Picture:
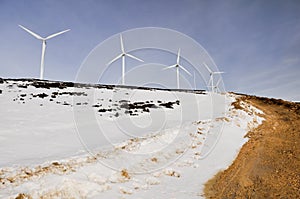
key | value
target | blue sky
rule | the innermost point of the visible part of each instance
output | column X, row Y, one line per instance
column 257, row 43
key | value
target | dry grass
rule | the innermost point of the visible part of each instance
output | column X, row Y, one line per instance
column 23, row 196
column 125, row 174
column 25, row 173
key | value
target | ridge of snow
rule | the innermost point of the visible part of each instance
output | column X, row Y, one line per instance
column 48, row 159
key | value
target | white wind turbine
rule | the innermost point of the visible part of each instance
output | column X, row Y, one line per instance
column 177, row 66
column 123, row 55
column 43, row 45
column 211, row 78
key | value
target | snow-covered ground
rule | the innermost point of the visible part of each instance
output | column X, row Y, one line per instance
column 66, row 141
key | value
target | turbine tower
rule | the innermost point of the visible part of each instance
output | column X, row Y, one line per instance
column 211, row 78
column 194, row 76
column 216, row 86
column 177, row 66
column 123, row 55
column 43, row 45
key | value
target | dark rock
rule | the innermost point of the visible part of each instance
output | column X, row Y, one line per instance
column 22, row 85
column 138, row 103
column 128, row 112
column 123, row 101
column 134, row 114
column 125, row 105
column 169, row 104
column 40, row 95
column 97, row 105
column 104, row 110
column 48, row 84
column 65, row 103
column 72, row 93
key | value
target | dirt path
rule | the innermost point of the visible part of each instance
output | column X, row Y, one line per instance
column 268, row 165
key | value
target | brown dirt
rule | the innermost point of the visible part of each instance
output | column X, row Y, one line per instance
column 268, row 165
column 125, row 174
column 23, row 196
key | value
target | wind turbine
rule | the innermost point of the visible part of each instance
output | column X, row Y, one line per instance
column 43, row 45
column 177, row 66
column 211, row 79
column 123, row 55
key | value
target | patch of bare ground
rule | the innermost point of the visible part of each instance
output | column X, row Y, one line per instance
column 268, row 165
column 23, row 196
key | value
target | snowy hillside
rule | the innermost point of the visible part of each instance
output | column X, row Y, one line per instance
column 64, row 140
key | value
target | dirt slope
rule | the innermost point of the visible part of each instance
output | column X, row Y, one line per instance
column 268, row 165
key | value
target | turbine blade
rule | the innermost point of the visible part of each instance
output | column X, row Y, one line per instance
column 114, row 59
column 168, row 67
column 122, row 44
column 218, row 82
column 56, row 34
column 210, row 71
column 134, row 57
column 32, row 33
column 178, row 56
column 218, row 72
column 185, row 70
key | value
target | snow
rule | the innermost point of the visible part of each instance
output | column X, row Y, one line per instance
column 63, row 147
